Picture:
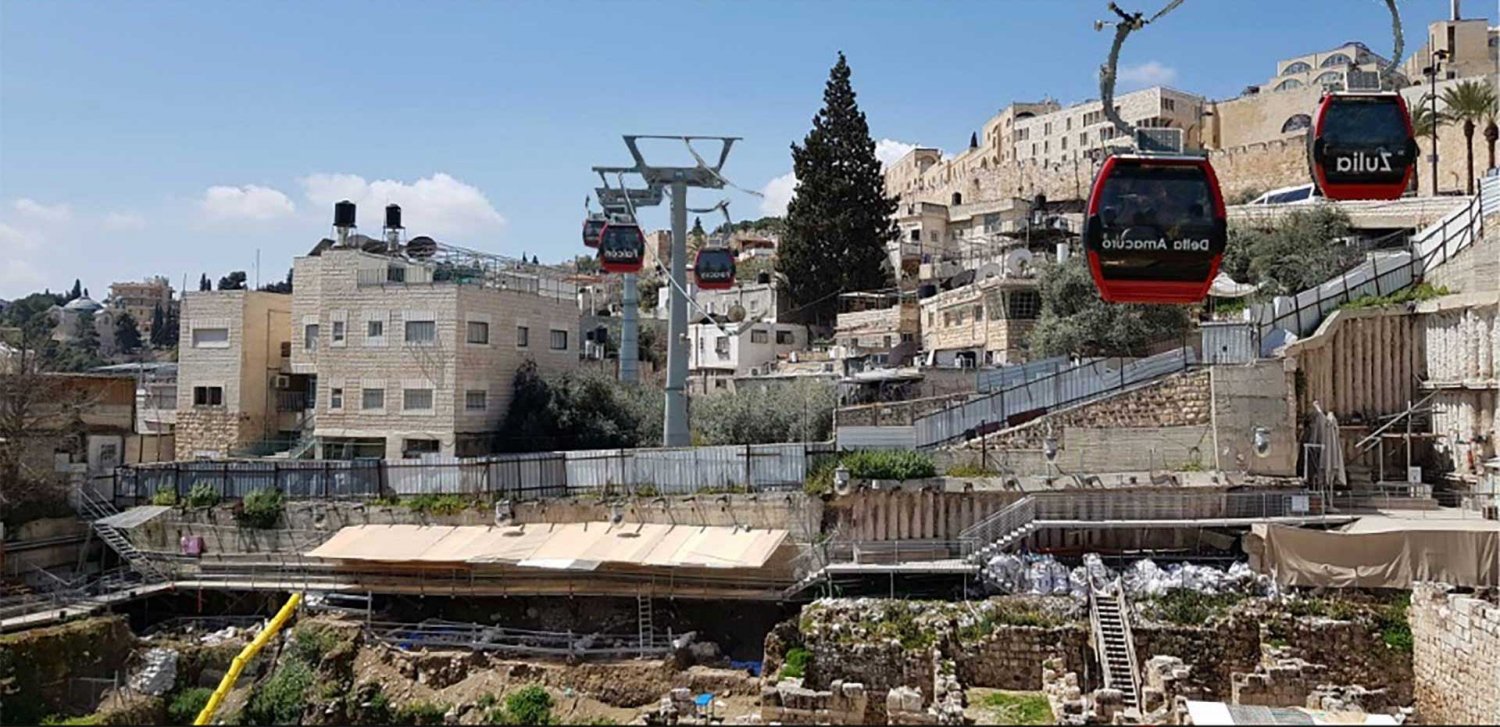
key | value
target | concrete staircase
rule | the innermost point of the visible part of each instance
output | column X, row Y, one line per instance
column 998, row 532
column 1109, row 614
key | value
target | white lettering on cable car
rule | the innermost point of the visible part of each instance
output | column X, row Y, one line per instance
column 1161, row 244
column 620, row 253
column 1360, row 162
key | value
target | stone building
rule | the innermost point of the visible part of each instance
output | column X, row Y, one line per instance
column 984, row 323
column 229, row 366
column 141, row 298
column 1473, row 47
column 411, row 355
column 716, row 358
column 876, row 329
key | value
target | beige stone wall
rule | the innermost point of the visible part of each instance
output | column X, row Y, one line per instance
column 1456, row 656
column 871, row 328
column 451, row 366
column 244, row 367
column 973, row 318
column 1247, row 397
column 1361, row 363
column 210, row 431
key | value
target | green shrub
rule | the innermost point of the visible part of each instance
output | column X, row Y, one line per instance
column 1018, row 708
column 1188, row 607
column 529, row 705
column 1395, row 626
column 820, row 480
column 311, row 642
column 281, row 698
column 1337, row 609
column 971, row 470
column 261, row 509
column 421, row 712
column 888, row 465
column 202, row 495
column 438, row 504
column 1417, row 294
column 796, row 662
column 166, row 496
column 184, row 707
column 57, row 719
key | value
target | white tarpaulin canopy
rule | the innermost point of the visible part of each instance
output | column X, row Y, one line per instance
column 1224, row 286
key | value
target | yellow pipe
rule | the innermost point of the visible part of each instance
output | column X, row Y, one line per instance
column 248, row 653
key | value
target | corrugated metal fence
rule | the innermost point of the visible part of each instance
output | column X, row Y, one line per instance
column 516, row 476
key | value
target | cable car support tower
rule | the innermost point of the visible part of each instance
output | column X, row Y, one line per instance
column 706, row 175
column 623, row 200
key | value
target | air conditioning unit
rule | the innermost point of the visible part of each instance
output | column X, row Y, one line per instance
column 283, row 381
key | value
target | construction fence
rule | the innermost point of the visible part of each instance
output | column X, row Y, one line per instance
column 526, row 476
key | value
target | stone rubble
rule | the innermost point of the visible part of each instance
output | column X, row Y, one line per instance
column 158, row 672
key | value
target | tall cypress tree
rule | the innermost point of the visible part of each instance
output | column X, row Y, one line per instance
column 839, row 222
column 158, row 326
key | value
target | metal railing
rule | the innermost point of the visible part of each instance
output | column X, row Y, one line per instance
column 438, row 634
column 1069, row 386
column 1067, row 507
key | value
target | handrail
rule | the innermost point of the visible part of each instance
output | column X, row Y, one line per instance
column 1008, row 519
column 1363, row 444
column 1097, row 628
column 1135, row 667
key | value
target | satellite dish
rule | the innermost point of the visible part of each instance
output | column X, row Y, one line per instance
column 1017, row 262
column 736, row 313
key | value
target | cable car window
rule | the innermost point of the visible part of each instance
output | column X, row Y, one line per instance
column 1146, row 213
column 1364, row 123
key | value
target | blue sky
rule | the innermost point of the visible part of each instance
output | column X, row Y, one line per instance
column 180, row 137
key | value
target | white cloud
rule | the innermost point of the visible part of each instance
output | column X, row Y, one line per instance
column 888, row 151
column 17, row 272
column 777, row 194
column 1150, row 73
column 124, row 221
column 437, row 205
column 250, row 202
column 46, row 213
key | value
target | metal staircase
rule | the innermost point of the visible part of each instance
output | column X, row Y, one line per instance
column 996, row 533
column 95, row 509
column 643, row 622
column 1109, row 613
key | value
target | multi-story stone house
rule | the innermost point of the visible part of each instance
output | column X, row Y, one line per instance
column 230, row 385
column 717, row 355
column 416, row 354
column 985, row 323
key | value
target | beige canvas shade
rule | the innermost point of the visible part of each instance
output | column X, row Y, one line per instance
column 1378, row 558
column 570, row 546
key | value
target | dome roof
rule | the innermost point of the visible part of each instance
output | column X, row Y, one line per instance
column 83, row 303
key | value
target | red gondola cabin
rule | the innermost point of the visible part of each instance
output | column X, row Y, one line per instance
column 591, row 229
column 1155, row 230
column 621, row 247
column 714, row 268
column 1361, row 146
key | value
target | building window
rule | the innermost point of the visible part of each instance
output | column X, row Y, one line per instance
column 1330, row 79
column 310, row 337
column 721, row 346
column 416, row 399
column 372, row 399
column 1297, row 122
column 916, row 235
column 559, row 340
column 476, row 399
column 978, row 312
column 338, row 332
column 335, row 398
column 210, row 338
column 1025, row 305
column 1337, row 59
column 1168, row 104
column 783, row 337
column 886, row 341
column 479, row 333
column 958, row 198
column 208, row 396
column 1288, row 84
column 421, row 332
column 907, row 338
column 1298, row 67
column 759, row 337
column 375, row 330
column 414, row 448
column 523, row 336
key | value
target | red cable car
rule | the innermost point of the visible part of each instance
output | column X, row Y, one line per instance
column 622, row 246
column 714, row 268
column 591, row 229
column 1361, row 146
column 1155, row 230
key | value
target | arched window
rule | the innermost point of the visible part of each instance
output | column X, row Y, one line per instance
column 1337, row 59
column 1298, row 67
column 1331, row 78
column 1296, row 123
column 1289, row 84
column 958, row 198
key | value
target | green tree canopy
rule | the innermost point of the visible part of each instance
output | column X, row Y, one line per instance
column 577, row 410
column 1302, row 249
column 839, row 221
column 127, row 334
column 1075, row 321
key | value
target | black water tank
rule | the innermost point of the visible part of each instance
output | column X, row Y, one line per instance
column 601, row 335
column 927, row 290
column 393, row 217
column 343, row 214
column 763, row 278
